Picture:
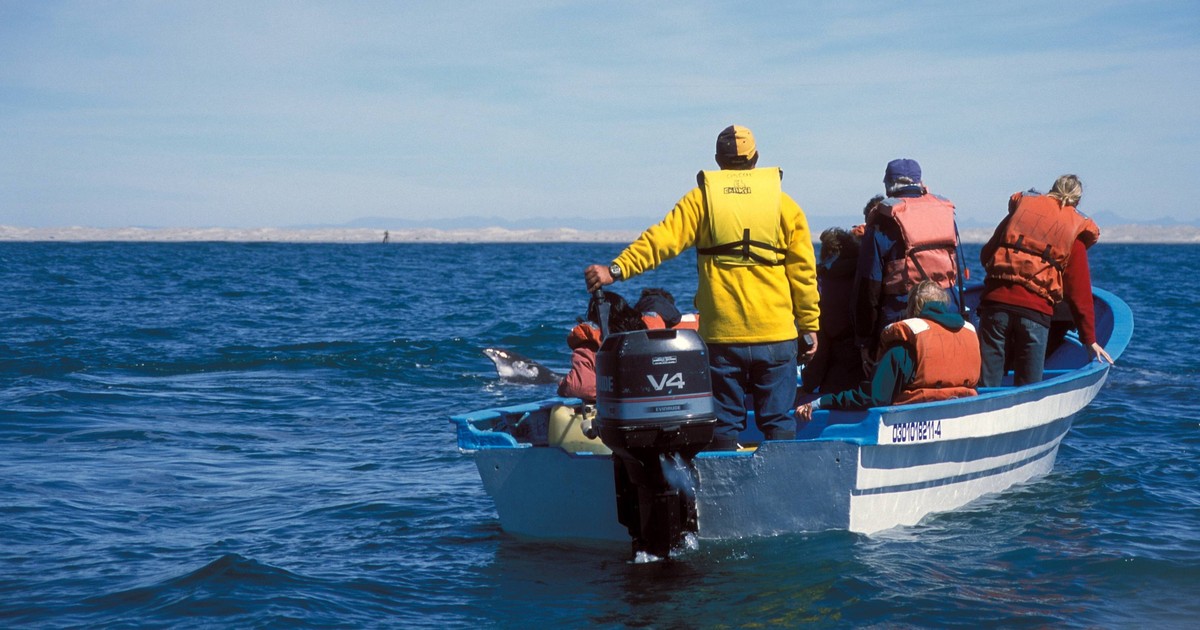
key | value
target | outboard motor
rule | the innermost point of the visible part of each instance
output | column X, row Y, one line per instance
column 654, row 407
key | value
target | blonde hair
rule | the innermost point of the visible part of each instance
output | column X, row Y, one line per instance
column 922, row 294
column 1068, row 190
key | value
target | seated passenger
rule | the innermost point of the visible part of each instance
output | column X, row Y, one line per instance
column 657, row 307
column 658, row 310
column 655, row 310
column 931, row 355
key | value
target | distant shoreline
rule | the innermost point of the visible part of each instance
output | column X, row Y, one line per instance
column 1109, row 234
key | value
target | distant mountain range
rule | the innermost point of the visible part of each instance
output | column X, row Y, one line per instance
column 477, row 222
column 1114, row 228
column 391, row 232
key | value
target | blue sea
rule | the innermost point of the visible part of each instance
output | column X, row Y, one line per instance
column 198, row 435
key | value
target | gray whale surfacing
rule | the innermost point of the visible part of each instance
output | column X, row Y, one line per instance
column 515, row 367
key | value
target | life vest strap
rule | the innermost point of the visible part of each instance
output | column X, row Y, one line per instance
column 912, row 255
column 742, row 248
column 1047, row 254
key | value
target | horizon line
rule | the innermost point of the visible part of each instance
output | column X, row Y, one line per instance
column 1131, row 233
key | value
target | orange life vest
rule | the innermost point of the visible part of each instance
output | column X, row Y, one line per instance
column 584, row 334
column 930, row 242
column 654, row 321
column 1037, row 243
column 947, row 362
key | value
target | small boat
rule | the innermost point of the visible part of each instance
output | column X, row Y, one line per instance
column 861, row 471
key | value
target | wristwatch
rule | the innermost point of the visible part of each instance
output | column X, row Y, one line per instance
column 615, row 271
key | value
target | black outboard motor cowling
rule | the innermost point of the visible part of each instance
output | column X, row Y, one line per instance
column 654, row 408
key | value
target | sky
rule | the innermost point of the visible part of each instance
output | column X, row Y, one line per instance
column 257, row 113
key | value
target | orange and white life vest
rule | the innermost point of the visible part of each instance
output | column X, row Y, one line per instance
column 1037, row 243
column 654, row 321
column 947, row 362
column 930, row 242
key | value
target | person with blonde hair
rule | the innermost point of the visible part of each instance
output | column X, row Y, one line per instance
column 932, row 354
column 1036, row 258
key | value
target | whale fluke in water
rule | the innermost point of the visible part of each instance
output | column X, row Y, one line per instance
column 517, row 368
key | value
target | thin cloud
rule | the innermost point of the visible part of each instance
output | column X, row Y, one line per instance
column 245, row 114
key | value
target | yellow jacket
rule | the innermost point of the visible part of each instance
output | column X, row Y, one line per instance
column 737, row 303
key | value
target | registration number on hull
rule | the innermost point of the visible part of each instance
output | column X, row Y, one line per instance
column 922, row 431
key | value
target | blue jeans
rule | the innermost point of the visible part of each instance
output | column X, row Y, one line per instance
column 1007, row 335
column 765, row 371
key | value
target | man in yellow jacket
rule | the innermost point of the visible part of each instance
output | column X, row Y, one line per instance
column 758, row 283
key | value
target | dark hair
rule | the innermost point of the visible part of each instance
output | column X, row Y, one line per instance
column 621, row 316
column 874, row 201
column 831, row 242
column 838, row 242
column 660, row 301
column 657, row 291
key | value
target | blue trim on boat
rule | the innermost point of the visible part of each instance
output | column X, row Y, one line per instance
column 1115, row 324
column 861, row 427
column 899, row 456
column 476, row 430
column 945, row 481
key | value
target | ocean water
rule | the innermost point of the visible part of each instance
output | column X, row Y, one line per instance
column 248, row 435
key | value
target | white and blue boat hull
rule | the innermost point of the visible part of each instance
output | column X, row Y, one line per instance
column 861, row 471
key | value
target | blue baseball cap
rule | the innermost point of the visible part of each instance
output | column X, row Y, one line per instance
column 903, row 167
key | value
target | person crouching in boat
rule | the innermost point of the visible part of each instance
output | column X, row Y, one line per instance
column 931, row 355
column 655, row 310
column 1036, row 258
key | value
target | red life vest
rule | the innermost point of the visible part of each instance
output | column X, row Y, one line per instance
column 1037, row 243
column 930, row 242
column 947, row 362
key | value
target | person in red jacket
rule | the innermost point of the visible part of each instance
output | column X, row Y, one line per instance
column 1036, row 258
column 580, row 382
